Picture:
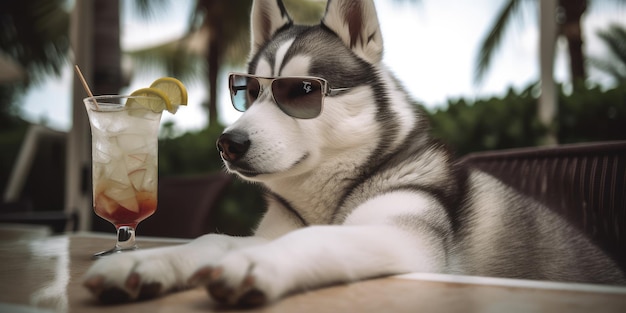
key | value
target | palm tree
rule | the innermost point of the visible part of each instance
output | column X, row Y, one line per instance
column 615, row 63
column 34, row 39
column 573, row 11
column 224, row 28
column 39, row 39
column 107, row 70
column 36, row 35
column 223, row 25
column 569, row 16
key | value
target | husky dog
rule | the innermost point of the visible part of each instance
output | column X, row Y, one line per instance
column 355, row 186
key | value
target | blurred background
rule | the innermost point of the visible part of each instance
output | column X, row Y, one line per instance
column 491, row 74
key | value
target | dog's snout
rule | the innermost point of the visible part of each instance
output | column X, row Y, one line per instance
column 233, row 146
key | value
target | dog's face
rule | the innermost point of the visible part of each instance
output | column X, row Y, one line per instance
column 265, row 143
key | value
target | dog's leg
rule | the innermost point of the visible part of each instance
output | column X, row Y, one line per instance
column 317, row 256
column 314, row 257
column 151, row 272
column 374, row 241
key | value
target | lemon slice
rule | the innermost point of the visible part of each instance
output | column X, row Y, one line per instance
column 157, row 101
column 174, row 89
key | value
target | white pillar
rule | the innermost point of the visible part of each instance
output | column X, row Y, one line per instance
column 77, row 186
column 548, row 102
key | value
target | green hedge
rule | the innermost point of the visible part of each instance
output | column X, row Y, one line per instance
column 593, row 115
column 511, row 121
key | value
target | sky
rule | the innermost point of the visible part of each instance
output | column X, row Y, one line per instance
column 430, row 46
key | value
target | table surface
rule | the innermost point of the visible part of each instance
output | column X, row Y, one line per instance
column 42, row 273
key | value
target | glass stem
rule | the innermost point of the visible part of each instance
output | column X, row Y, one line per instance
column 125, row 238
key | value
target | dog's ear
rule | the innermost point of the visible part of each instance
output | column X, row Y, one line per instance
column 356, row 23
column 268, row 16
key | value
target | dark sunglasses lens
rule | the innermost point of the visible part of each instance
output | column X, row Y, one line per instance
column 298, row 97
column 243, row 91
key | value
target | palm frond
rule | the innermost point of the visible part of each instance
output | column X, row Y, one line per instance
column 615, row 39
column 175, row 58
column 607, row 4
column 306, row 12
column 150, row 8
column 492, row 42
column 618, row 73
column 613, row 64
column 235, row 33
column 35, row 35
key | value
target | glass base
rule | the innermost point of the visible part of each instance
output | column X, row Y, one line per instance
column 125, row 242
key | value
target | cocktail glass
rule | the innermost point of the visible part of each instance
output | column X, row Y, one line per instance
column 124, row 147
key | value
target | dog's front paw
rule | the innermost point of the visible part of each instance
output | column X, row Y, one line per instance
column 132, row 275
column 248, row 278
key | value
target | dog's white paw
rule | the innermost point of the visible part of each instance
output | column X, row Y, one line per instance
column 149, row 273
column 247, row 277
column 136, row 275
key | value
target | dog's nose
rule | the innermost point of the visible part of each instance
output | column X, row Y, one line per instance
column 233, row 146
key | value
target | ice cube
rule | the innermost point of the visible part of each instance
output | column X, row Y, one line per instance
column 99, row 170
column 99, row 120
column 124, row 195
column 119, row 173
column 152, row 146
column 135, row 160
column 102, row 202
column 105, row 149
column 118, row 125
column 136, row 178
column 101, row 156
column 131, row 142
column 130, row 204
column 150, row 179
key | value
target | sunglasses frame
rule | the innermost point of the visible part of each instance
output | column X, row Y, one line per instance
column 265, row 82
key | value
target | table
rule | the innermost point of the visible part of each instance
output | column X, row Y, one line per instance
column 42, row 273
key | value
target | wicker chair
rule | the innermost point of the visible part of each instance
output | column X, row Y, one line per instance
column 585, row 183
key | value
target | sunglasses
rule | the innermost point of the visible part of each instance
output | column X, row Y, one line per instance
column 299, row 97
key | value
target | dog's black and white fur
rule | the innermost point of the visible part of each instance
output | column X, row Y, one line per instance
column 361, row 191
